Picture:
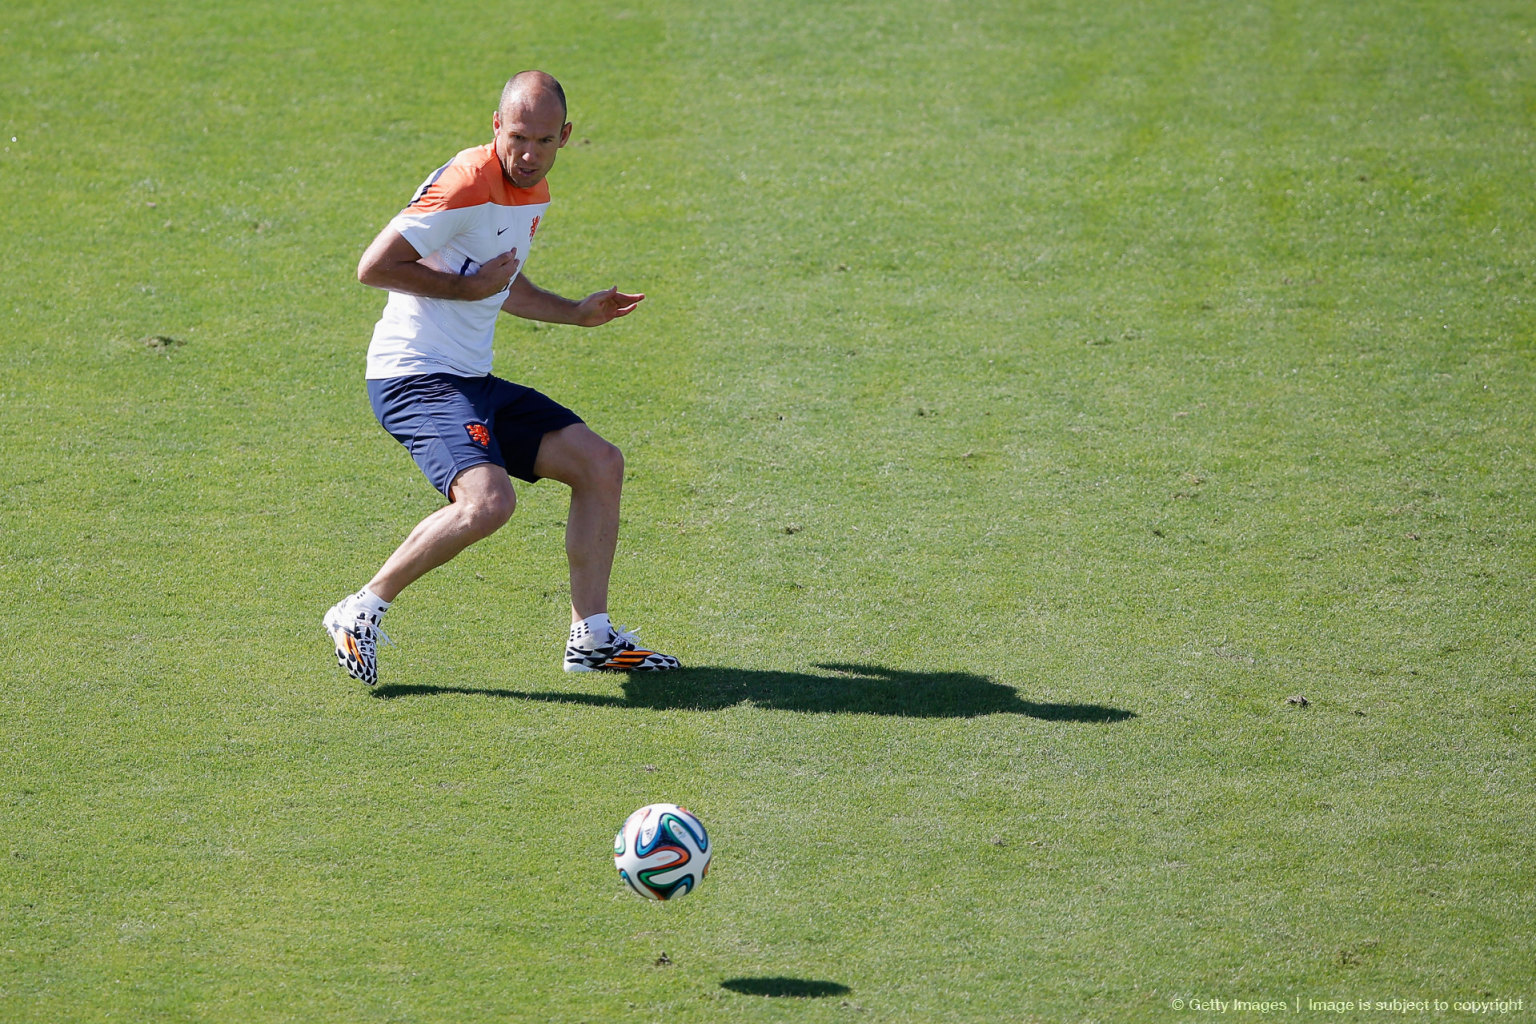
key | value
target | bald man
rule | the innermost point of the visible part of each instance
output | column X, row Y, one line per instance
column 451, row 261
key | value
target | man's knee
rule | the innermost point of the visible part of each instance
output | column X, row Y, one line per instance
column 578, row 457
column 486, row 500
column 491, row 511
column 607, row 462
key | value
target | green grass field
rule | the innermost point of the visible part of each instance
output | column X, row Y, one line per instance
column 1031, row 398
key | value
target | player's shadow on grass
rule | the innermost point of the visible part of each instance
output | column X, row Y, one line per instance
column 845, row 689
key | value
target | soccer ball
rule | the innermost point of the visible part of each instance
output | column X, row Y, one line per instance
column 662, row 851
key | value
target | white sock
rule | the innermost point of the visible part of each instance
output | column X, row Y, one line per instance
column 370, row 601
column 592, row 631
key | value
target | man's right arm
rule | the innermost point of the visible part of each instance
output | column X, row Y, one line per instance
column 392, row 263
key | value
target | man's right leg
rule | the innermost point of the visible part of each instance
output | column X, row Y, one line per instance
column 481, row 501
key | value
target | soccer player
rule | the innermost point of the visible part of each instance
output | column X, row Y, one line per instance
column 451, row 261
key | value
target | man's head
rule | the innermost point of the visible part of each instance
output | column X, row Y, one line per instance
column 529, row 127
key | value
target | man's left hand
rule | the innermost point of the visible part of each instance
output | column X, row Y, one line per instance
column 600, row 307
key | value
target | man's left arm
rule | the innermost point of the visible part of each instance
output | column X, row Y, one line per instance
column 529, row 301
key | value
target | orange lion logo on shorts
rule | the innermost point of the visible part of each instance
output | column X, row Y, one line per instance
column 479, row 434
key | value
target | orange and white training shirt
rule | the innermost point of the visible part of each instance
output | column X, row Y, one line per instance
column 465, row 213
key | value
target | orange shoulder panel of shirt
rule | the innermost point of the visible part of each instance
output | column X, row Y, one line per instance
column 474, row 178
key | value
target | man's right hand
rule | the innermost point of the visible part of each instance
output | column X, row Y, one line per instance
column 491, row 279
column 393, row 263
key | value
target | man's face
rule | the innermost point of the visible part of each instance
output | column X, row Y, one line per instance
column 528, row 132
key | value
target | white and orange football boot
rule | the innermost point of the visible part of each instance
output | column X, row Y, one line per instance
column 356, row 633
column 619, row 653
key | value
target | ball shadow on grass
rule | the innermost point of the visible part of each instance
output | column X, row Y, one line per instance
column 839, row 688
column 797, row 988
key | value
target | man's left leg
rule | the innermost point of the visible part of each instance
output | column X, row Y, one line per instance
column 594, row 471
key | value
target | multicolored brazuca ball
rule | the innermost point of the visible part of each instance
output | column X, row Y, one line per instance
column 662, row 851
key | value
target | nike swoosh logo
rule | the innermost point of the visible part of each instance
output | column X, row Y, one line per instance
column 504, row 229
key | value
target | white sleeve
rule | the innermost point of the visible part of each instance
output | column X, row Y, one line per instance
column 430, row 230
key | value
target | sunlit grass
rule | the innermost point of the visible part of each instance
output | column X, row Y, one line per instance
column 1032, row 403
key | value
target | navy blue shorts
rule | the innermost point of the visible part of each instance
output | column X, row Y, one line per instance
column 449, row 423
